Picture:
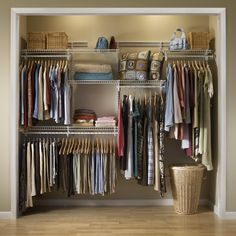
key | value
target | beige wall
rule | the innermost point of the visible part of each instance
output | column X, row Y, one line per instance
column 5, row 68
column 125, row 28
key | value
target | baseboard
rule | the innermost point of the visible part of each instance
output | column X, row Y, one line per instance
column 214, row 208
column 120, row 202
column 229, row 215
column 5, row 215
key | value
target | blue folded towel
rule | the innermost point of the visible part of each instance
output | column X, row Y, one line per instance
column 93, row 76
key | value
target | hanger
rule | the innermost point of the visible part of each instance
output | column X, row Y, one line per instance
column 82, row 146
column 101, row 148
column 196, row 65
column 75, row 146
column 72, row 145
column 78, row 146
column 97, row 145
column 85, row 145
column 107, row 146
column 62, row 146
column 114, row 147
column 110, row 146
column 89, row 146
column 93, row 143
column 66, row 146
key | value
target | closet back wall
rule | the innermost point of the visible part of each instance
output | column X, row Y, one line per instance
column 125, row 28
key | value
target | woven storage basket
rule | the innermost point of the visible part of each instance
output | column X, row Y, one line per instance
column 186, row 183
column 57, row 40
column 198, row 40
column 36, row 40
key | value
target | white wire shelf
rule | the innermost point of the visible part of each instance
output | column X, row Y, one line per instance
column 108, row 82
column 145, row 44
column 66, row 51
column 193, row 54
column 121, row 83
column 67, row 130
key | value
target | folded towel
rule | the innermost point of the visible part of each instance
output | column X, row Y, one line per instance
column 86, row 111
column 109, row 123
column 93, row 68
column 105, row 125
column 93, row 76
column 105, row 118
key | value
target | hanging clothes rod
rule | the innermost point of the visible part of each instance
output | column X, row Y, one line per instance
column 193, row 54
column 46, row 56
column 70, row 133
column 142, row 86
column 142, row 44
column 44, row 130
column 189, row 56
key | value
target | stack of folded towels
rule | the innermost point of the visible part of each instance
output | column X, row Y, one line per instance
column 106, row 121
column 93, row 72
column 84, row 117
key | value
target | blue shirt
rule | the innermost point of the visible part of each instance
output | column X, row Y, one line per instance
column 169, row 112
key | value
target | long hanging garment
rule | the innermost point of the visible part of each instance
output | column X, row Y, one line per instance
column 161, row 146
column 156, row 144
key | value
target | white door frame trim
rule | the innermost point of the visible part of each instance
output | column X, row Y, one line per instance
column 14, row 84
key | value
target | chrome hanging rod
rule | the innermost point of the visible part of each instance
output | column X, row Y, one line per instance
column 142, row 44
column 189, row 56
column 142, row 86
column 69, row 133
column 46, row 56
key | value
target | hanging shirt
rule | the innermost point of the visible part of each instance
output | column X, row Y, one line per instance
column 129, row 172
column 67, row 98
column 36, row 92
column 150, row 166
column 136, row 115
column 169, row 111
column 201, row 76
column 45, row 95
column 30, row 97
column 177, row 110
column 187, row 95
column 22, row 94
column 33, row 187
column 120, row 137
column 40, row 93
column 208, row 93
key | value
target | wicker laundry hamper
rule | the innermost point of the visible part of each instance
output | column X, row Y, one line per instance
column 186, row 183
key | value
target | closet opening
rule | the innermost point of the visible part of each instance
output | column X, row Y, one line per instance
column 134, row 33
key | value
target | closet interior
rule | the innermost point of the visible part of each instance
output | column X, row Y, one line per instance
column 83, row 125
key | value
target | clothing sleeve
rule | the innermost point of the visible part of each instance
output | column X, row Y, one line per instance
column 169, row 112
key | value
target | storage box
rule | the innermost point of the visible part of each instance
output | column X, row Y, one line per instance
column 198, row 40
column 36, row 40
column 57, row 40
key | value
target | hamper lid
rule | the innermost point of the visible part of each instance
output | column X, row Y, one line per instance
column 185, row 166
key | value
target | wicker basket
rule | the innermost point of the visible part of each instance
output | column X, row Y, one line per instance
column 186, row 183
column 198, row 40
column 36, row 40
column 57, row 40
